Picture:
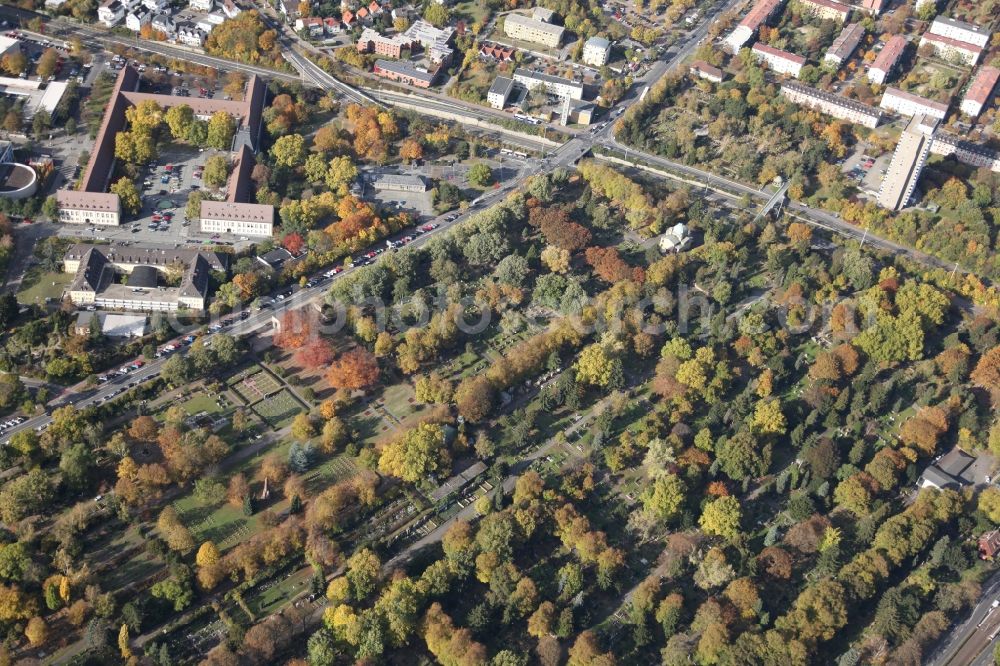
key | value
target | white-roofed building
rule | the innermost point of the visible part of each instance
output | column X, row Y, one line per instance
column 596, row 51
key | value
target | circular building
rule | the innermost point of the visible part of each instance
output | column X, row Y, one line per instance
column 17, row 181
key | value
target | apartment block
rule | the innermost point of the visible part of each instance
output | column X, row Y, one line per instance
column 960, row 30
column 777, row 60
column 762, row 12
column 873, row 7
column 908, row 160
column 908, row 104
column 554, row 85
column 980, row 90
column 845, row 44
column 828, row 9
column 596, row 51
column 703, row 70
column 888, row 60
column 91, row 208
column 832, row 105
column 950, row 48
column 499, row 92
column 529, row 29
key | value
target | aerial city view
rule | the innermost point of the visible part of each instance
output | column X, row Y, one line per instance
column 469, row 332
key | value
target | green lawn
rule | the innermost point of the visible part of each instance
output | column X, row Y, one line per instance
column 400, row 401
column 330, row 472
column 278, row 593
column 39, row 285
column 279, row 409
column 222, row 524
column 201, row 402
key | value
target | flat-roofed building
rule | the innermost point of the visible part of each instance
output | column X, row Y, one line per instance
column 908, row 160
column 845, row 44
column 92, row 208
column 888, row 60
column 827, row 9
column 112, row 324
column 950, row 48
column 528, row 29
column 762, row 12
column 499, row 92
column 393, row 182
column 908, row 104
column 832, row 105
column 962, row 31
column 980, row 90
column 554, row 85
column 703, row 70
column 596, row 51
column 777, row 60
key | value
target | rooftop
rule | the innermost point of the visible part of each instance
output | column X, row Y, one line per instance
column 535, row 24
column 916, row 99
column 96, row 201
column 405, row 69
column 831, row 98
column 983, row 84
column 598, row 43
column 394, row 179
column 778, row 53
column 760, row 13
column 890, row 53
column 961, row 25
column 245, row 212
column 548, row 78
column 501, row 85
column 953, row 43
column 830, row 4
column 847, row 41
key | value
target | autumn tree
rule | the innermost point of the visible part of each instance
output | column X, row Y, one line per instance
column 722, row 517
column 315, row 354
column 987, row 371
column 356, row 369
column 296, row 330
column 415, row 454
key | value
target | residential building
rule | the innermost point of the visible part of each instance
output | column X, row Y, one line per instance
column 497, row 52
column 845, row 44
column 111, row 13
column 190, row 35
column 275, row 258
column 873, row 7
column 960, row 30
column 98, row 272
column 908, row 160
column 231, row 9
column 347, row 18
column 762, row 12
column 209, row 21
column 989, row 545
column 313, row 25
column 9, row 45
column 499, row 92
column 400, row 183
column 980, row 90
column 596, row 51
column 164, row 23
column 89, row 208
column 832, row 105
column 703, row 70
column 332, row 26
column 828, row 9
column 966, row 152
column 777, row 60
column 908, row 104
column 887, row 60
column 543, row 14
column 528, row 29
column 137, row 19
column 554, row 85
column 580, row 112
column 155, row 6
column 952, row 49
column 202, row 5
column 404, row 72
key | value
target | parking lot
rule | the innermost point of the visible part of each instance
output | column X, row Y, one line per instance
column 165, row 188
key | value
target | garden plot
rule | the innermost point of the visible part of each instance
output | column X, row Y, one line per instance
column 279, row 409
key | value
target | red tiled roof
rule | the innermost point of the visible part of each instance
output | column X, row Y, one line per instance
column 953, row 43
column 778, row 53
column 983, row 85
column 760, row 13
column 890, row 53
